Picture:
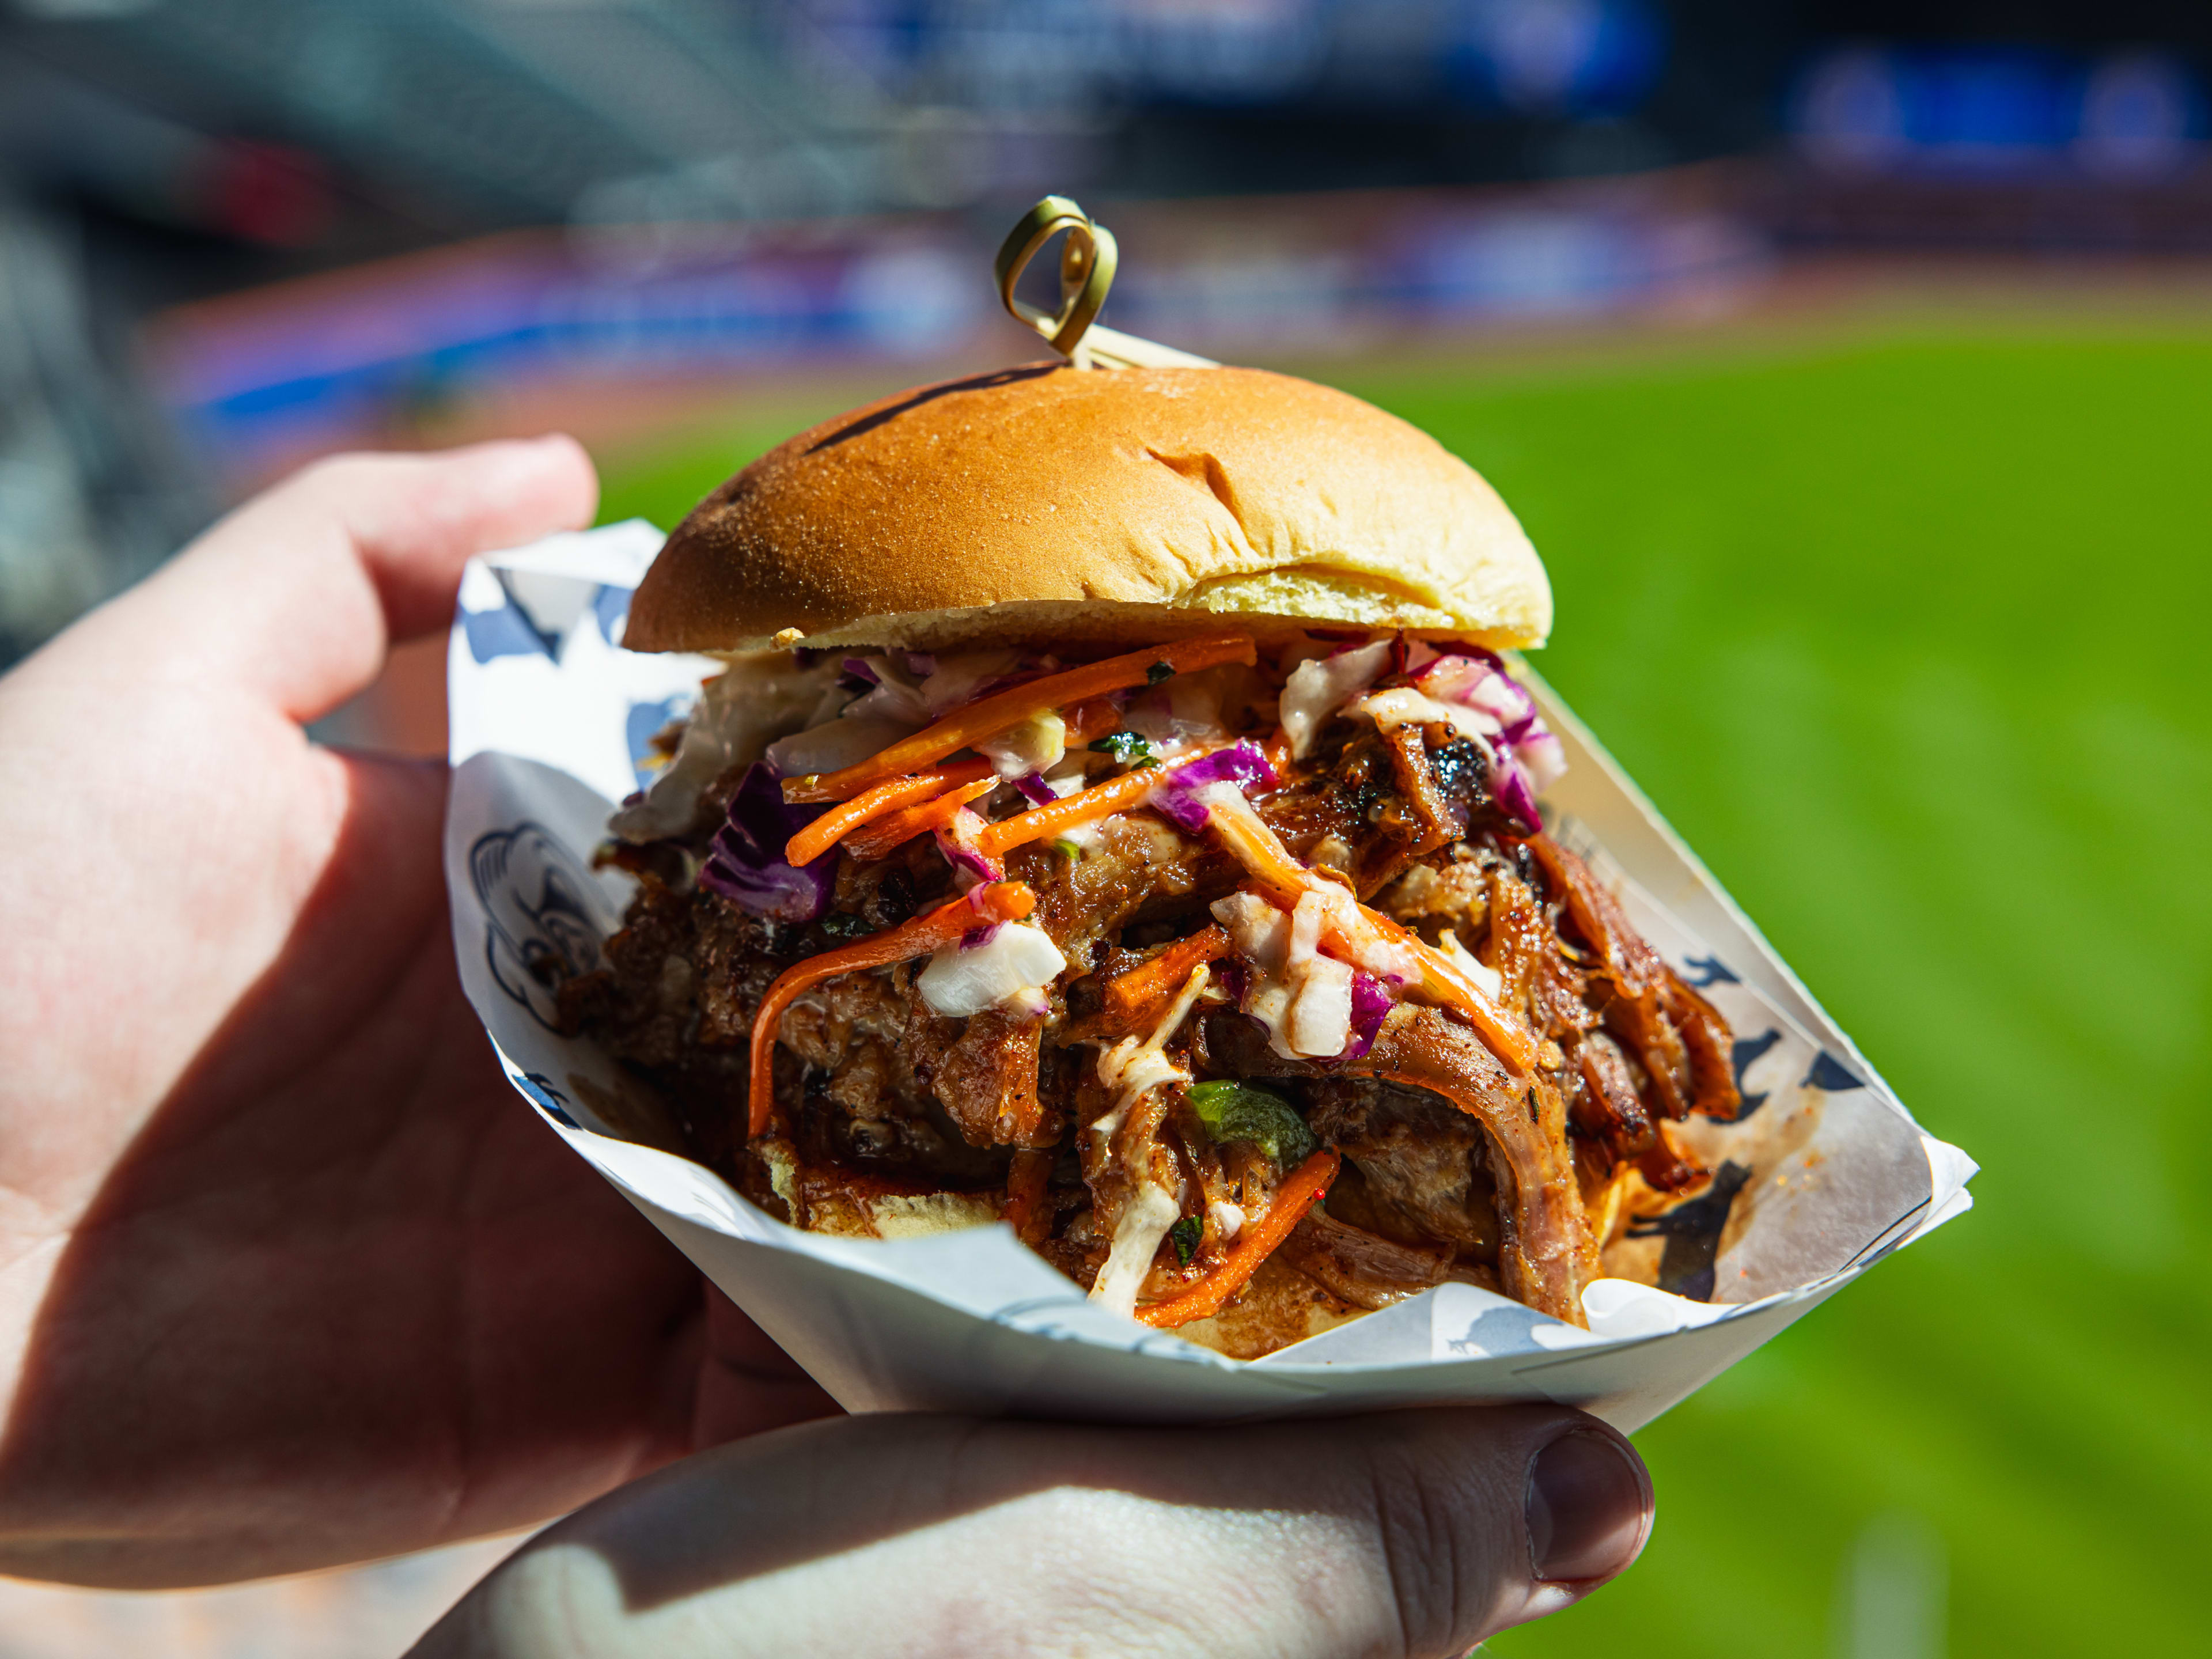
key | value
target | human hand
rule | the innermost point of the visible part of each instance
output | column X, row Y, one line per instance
column 1412, row 1532
column 287, row 1276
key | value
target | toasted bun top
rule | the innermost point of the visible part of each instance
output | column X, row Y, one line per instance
column 1046, row 504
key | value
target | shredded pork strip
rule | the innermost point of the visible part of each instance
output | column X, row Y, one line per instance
column 1546, row 1255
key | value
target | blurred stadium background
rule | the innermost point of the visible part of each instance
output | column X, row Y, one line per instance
column 1850, row 362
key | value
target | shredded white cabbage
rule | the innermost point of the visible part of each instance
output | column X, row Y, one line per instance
column 900, row 694
column 1472, row 683
column 834, row 745
column 1014, row 964
column 1543, row 757
column 1184, row 714
column 1301, row 996
column 1270, row 1002
column 896, row 695
column 1402, row 705
column 1246, row 836
column 759, row 696
column 1318, row 689
column 1320, row 1017
column 1306, row 922
column 1228, row 1219
column 1260, row 932
column 956, row 679
column 1036, row 742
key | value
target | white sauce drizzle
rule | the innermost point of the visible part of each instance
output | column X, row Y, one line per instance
column 1133, row 1069
column 1145, row 1222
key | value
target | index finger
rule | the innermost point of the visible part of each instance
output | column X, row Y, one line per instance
column 298, row 594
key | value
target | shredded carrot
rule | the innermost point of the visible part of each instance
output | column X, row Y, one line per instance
column 1148, row 985
column 1004, row 901
column 1278, row 750
column 1025, row 1184
column 1445, row 981
column 1283, row 881
column 833, row 826
column 987, row 716
column 875, row 840
column 1122, row 795
column 1085, row 722
column 1280, row 878
column 1300, row 1191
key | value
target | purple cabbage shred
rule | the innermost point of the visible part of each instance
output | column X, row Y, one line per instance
column 1243, row 763
column 968, row 859
column 1370, row 1006
column 1032, row 784
column 1509, row 785
column 744, row 861
column 1234, row 979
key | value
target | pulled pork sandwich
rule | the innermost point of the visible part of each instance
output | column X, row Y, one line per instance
column 1116, row 819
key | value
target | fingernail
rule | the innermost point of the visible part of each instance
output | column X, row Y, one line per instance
column 1589, row 1503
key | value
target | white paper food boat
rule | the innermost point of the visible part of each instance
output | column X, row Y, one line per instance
column 1823, row 1174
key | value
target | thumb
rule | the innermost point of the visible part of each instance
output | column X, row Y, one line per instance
column 1413, row 1533
column 297, row 595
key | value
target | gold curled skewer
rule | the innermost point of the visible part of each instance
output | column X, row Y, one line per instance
column 1088, row 260
column 1087, row 264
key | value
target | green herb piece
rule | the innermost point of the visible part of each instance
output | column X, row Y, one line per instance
column 1127, row 748
column 1159, row 672
column 1184, row 1236
column 838, row 924
column 1067, row 849
column 1243, row 1111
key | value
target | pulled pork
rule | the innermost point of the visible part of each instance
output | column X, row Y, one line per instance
column 1440, row 1159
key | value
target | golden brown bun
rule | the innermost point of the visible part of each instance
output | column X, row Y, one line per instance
column 1053, row 504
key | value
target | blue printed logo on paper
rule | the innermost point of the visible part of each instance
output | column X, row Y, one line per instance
column 540, row 912
column 1705, row 972
column 644, row 722
column 1693, row 1232
column 507, row 631
column 611, row 610
column 544, row 1097
column 1500, row 1331
column 1748, row 1051
column 1830, row 1075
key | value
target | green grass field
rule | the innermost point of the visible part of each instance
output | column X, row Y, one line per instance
column 1906, row 633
